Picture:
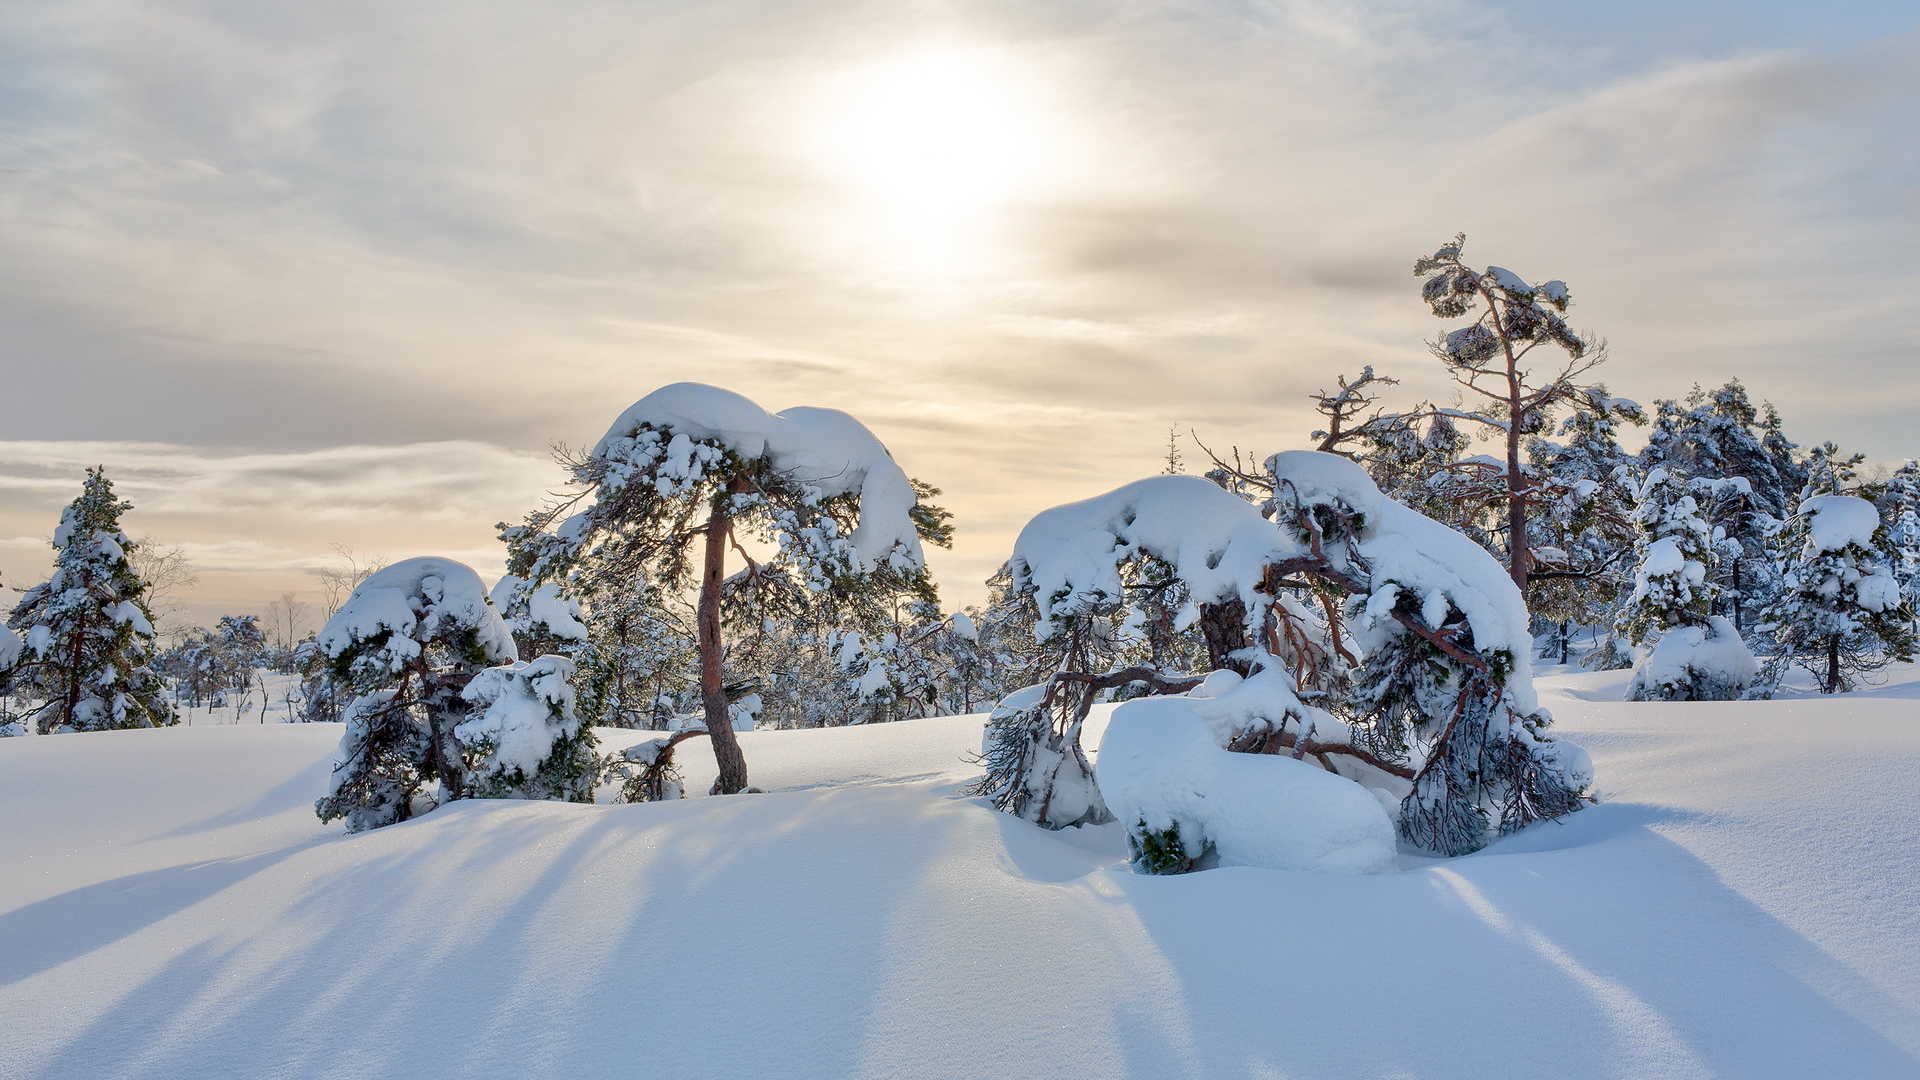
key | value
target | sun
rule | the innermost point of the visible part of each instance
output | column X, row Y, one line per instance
column 930, row 143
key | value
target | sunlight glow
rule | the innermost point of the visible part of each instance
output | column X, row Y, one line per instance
column 930, row 143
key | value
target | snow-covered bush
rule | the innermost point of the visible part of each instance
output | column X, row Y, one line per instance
column 404, row 646
column 1035, row 767
column 1842, row 613
column 1696, row 663
column 86, row 633
column 526, row 741
column 1442, row 711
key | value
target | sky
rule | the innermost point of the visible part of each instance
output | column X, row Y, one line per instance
column 313, row 277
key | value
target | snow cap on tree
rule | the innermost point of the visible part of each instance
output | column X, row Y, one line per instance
column 824, row 449
column 1070, row 556
column 382, row 625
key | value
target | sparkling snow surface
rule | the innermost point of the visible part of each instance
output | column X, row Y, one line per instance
column 1745, row 903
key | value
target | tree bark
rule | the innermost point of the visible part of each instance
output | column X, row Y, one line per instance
column 1833, row 664
column 713, row 694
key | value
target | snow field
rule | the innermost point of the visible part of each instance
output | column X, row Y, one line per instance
column 1744, row 903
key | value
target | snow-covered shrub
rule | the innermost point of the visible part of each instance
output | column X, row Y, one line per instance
column 647, row 772
column 403, row 646
column 1842, row 613
column 1035, row 766
column 526, row 742
column 86, row 633
column 1696, row 663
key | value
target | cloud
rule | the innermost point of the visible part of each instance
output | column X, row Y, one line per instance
column 395, row 248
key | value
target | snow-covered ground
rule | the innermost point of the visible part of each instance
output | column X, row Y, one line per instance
column 1744, row 903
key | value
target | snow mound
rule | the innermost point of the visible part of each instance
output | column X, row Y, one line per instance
column 1836, row 521
column 1163, row 772
column 823, row 448
column 1217, row 542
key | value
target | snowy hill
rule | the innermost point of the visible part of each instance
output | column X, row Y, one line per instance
column 1744, row 903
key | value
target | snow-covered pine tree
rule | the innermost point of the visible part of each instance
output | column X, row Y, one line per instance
column 1511, row 319
column 1832, row 471
column 1842, row 614
column 525, row 741
column 241, row 647
column 10, row 648
column 1781, row 451
column 1696, row 655
column 1583, row 538
column 689, row 467
column 1714, row 438
column 1444, row 694
column 87, row 633
column 404, row 645
column 1899, row 506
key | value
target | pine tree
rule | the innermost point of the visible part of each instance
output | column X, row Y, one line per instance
column 1899, row 506
column 1584, row 536
column 1842, row 615
column 665, row 494
column 1675, row 545
column 1511, row 319
column 405, row 644
column 87, row 632
column 1696, row 655
column 1715, row 437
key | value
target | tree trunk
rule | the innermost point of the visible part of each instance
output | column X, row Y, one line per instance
column 713, row 694
column 446, row 710
column 1519, row 555
column 1833, row 665
column 1224, row 626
